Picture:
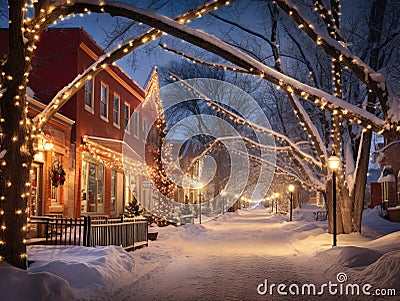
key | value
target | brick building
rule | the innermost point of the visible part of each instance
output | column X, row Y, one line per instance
column 98, row 116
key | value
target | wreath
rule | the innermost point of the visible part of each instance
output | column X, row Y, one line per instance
column 57, row 175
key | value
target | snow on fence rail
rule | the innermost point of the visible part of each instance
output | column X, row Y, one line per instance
column 88, row 231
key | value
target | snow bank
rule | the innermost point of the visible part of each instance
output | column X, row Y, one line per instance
column 374, row 226
column 87, row 271
column 20, row 285
column 385, row 272
column 356, row 257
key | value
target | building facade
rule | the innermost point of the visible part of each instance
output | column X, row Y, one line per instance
column 97, row 117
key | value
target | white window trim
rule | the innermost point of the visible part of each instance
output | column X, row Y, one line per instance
column 105, row 118
column 136, row 122
column 117, row 125
column 88, row 108
column 127, row 128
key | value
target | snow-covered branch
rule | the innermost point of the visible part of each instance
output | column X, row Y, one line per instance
column 202, row 62
column 115, row 54
column 215, row 45
column 316, row 184
column 305, row 120
column 374, row 80
column 315, row 137
column 237, row 118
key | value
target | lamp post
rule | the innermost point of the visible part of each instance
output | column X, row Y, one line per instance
column 334, row 164
column 291, row 189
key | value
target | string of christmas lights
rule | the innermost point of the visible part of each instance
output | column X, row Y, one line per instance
column 243, row 121
column 115, row 54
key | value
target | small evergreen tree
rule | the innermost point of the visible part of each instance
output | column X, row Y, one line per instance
column 133, row 208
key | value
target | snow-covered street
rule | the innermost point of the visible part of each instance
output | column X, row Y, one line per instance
column 224, row 259
column 227, row 259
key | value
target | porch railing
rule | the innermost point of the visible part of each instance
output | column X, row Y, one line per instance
column 129, row 233
column 88, row 231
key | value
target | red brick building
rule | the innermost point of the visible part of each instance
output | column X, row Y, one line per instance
column 101, row 111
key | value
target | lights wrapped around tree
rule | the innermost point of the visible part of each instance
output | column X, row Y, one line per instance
column 155, row 167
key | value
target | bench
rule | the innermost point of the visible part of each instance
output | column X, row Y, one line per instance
column 320, row 215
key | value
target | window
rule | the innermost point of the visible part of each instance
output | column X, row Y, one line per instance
column 126, row 116
column 130, row 189
column 145, row 129
column 92, row 188
column 136, row 124
column 116, row 110
column 104, row 101
column 89, row 95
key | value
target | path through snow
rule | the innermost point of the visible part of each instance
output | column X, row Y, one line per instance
column 227, row 259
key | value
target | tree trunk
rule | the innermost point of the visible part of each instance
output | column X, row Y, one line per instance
column 378, row 8
column 16, row 163
column 361, row 180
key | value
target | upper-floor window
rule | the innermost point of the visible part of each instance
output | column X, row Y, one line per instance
column 104, row 101
column 116, row 110
column 89, row 103
column 136, row 124
column 127, row 115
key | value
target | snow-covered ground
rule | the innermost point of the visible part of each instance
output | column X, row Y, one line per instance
column 231, row 258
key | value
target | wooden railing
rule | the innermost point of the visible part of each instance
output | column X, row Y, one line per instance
column 88, row 231
column 129, row 233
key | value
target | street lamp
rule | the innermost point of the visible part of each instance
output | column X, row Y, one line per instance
column 291, row 189
column 334, row 164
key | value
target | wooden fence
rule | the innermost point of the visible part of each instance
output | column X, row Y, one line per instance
column 88, row 231
column 130, row 233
